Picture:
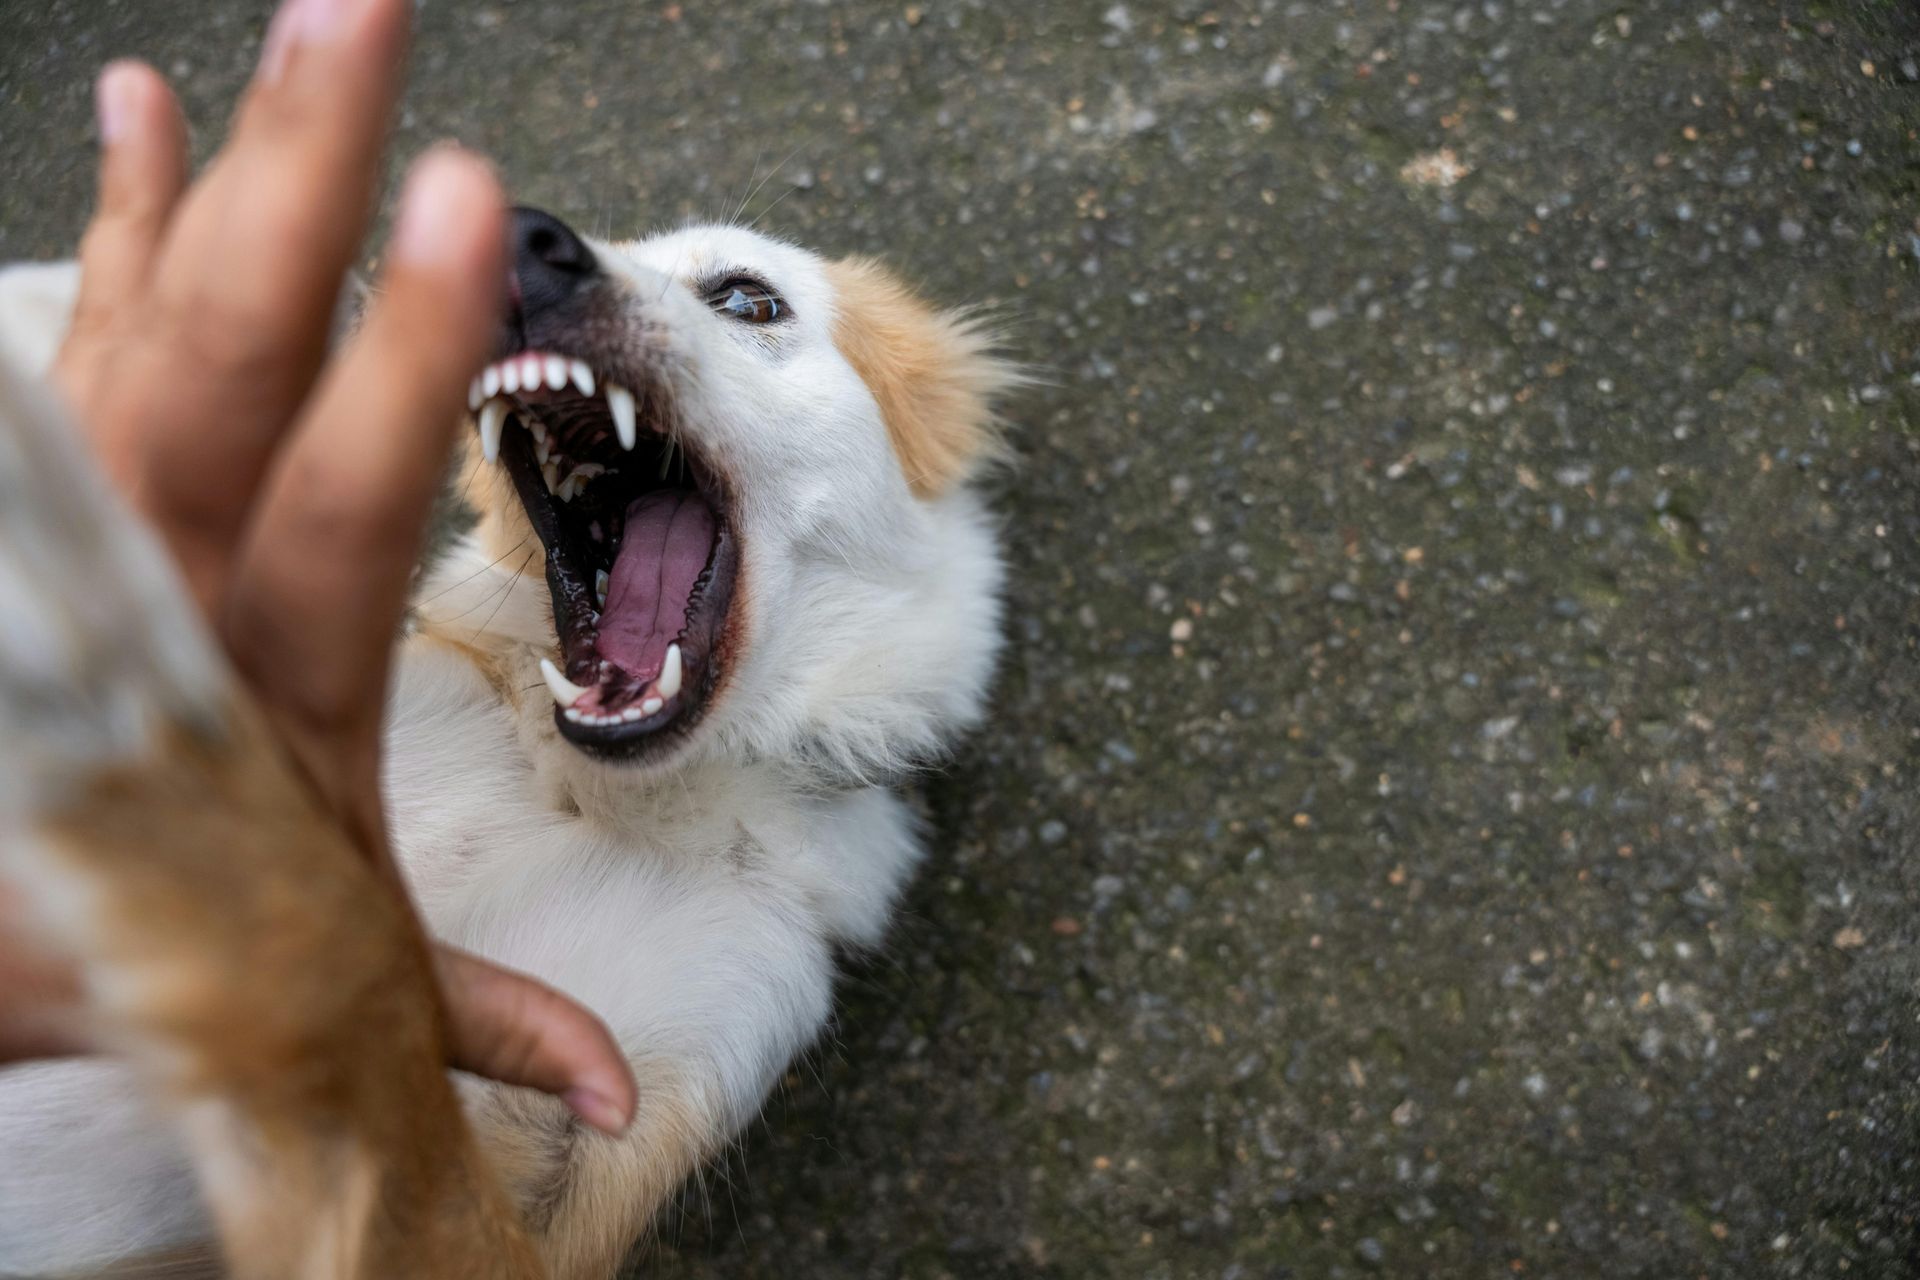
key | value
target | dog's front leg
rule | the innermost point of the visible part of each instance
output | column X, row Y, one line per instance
column 227, row 935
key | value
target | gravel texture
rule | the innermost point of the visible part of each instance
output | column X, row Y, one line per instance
column 1450, row 808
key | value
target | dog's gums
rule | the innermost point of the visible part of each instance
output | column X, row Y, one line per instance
column 640, row 555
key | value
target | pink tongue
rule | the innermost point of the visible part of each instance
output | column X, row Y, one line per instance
column 668, row 535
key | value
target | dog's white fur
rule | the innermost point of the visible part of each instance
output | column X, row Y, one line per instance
column 696, row 903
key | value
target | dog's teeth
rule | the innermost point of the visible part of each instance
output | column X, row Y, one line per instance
column 669, row 682
column 582, row 377
column 551, row 474
column 490, row 382
column 493, row 420
column 510, row 377
column 600, row 584
column 530, row 369
column 538, row 428
column 651, row 706
column 620, row 401
column 541, row 449
column 474, row 398
column 556, row 373
column 632, row 713
column 565, row 691
column 574, row 716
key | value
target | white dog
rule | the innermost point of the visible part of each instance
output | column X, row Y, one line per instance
column 730, row 580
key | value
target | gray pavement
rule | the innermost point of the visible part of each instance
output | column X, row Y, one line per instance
column 1451, row 808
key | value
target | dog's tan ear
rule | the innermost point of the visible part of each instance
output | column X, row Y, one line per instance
column 937, row 374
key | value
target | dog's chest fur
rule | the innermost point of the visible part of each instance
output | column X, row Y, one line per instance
column 710, row 896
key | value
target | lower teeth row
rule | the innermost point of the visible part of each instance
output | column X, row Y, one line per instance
column 566, row 693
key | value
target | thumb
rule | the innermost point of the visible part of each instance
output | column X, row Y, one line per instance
column 510, row 1028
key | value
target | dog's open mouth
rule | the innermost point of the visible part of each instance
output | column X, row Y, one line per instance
column 640, row 555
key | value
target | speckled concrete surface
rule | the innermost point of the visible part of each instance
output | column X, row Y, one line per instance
column 1451, row 809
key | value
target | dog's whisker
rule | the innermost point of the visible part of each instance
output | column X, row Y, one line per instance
column 785, row 161
column 466, row 486
column 749, row 184
column 455, row 586
column 762, row 215
column 505, row 586
column 511, row 583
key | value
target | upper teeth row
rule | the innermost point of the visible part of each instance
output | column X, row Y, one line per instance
column 531, row 372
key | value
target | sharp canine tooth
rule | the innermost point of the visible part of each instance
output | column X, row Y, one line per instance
column 474, row 398
column 541, row 449
column 582, row 377
column 650, row 706
column 493, row 419
column 510, row 377
column 551, row 474
column 669, row 682
column 600, row 584
column 620, row 400
column 565, row 691
column 556, row 373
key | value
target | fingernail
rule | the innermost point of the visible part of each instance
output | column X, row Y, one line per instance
column 435, row 207
column 300, row 22
column 278, row 46
column 114, row 101
column 595, row 1110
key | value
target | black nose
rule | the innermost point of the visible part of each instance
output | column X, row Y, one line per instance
column 550, row 262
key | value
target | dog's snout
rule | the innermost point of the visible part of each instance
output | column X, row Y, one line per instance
column 550, row 262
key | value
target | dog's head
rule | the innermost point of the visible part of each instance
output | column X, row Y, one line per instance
column 742, row 472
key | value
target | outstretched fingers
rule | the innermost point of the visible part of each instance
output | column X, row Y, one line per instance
column 328, row 558
column 255, row 256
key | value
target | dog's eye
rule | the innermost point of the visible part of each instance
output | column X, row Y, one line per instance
column 746, row 300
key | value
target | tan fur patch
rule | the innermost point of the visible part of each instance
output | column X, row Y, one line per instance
column 589, row 1196
column 507, row 538
column 935, row 374
column 504, row 530
column 491, row 663
column 290, row 997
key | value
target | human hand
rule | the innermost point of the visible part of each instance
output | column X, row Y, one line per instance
column 292, row 486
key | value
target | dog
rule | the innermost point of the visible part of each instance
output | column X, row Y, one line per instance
column 732, row 580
